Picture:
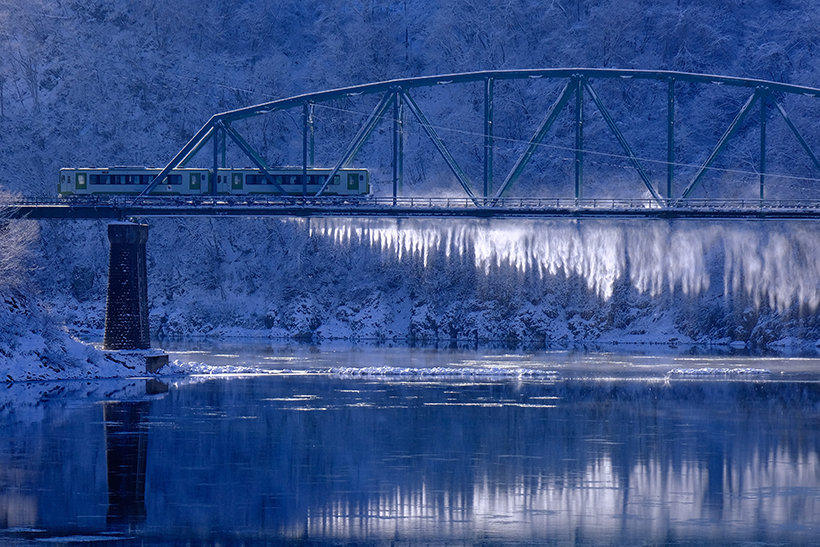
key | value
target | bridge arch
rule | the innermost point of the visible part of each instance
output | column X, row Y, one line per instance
column 395, row 96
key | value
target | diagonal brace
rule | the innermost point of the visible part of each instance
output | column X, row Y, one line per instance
column 622, row 141
column 721, row 143
column 195, row 150
column 431, row 133
column 196, row 141
column 552, row 114
column 251, row 153
column 361, row 137
column 797, row 134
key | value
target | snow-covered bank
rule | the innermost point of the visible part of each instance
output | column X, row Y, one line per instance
column 35, row 347
column 547, row 282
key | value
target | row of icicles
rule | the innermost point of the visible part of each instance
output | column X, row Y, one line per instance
column 780, row 266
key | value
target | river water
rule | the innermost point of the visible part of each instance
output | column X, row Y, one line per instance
column 340, row 444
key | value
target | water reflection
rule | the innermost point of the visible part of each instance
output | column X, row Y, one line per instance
column 373, row 460
column 126, row 442
column 325, row 458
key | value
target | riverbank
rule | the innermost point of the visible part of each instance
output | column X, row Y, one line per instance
column 34, row 346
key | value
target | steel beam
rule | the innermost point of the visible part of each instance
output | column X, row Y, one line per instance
column 552, row 114
column 311, row 137
column 797, row 134
column 197, row 148
column 553, row 73
column 488, row 137
column 224, row 140
column 387, row 207
column 398, row 144
column 359, row 140
column 763, row 114
column 721, row 144
column 193, row 143
column 622, row 141
column 251, row 153
column 579, row 137
column 670, row 137
column 305, row 116
column 431, row 133
column 215, row 174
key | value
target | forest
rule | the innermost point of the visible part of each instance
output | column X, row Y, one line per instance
column 99, row 82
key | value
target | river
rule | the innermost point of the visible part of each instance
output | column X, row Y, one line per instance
column 376, row 445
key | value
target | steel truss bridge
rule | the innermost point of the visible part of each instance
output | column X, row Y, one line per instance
column 655, row 199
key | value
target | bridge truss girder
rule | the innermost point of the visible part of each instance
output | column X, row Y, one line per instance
column 395, row 98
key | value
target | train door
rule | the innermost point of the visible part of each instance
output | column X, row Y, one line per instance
column 66, row 185
column 80, row 182
column 236, row 181
column 353, row 181
column 195, row 182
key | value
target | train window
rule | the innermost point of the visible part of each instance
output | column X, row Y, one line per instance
column 257, row 179
column 352, row 181
column 80, row 181
column 337, row 180
column 236, row 181
column 173, row 179
column 193, row 181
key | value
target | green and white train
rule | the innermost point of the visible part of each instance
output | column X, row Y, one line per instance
column 133, row 180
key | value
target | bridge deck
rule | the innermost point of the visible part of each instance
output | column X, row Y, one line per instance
column 120, row 207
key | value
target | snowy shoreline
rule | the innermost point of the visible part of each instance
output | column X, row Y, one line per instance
column 104, row 365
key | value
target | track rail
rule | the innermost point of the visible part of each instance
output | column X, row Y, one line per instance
column 123, row 207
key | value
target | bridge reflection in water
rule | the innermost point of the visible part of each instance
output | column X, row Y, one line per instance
column 328, row 458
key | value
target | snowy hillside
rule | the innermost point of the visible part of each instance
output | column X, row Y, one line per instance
column 96, row 82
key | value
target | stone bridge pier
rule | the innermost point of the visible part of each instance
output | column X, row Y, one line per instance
column 126, row 310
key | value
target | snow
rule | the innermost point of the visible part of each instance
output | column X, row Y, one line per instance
column 717, row 371
column 64, row 540
column 553, row 283
column 444, row 372
column 35, row 347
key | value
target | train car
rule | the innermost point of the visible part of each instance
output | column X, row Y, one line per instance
column 347, row 182
column 133, row 180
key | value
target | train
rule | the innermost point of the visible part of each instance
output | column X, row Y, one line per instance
column 191, row 181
